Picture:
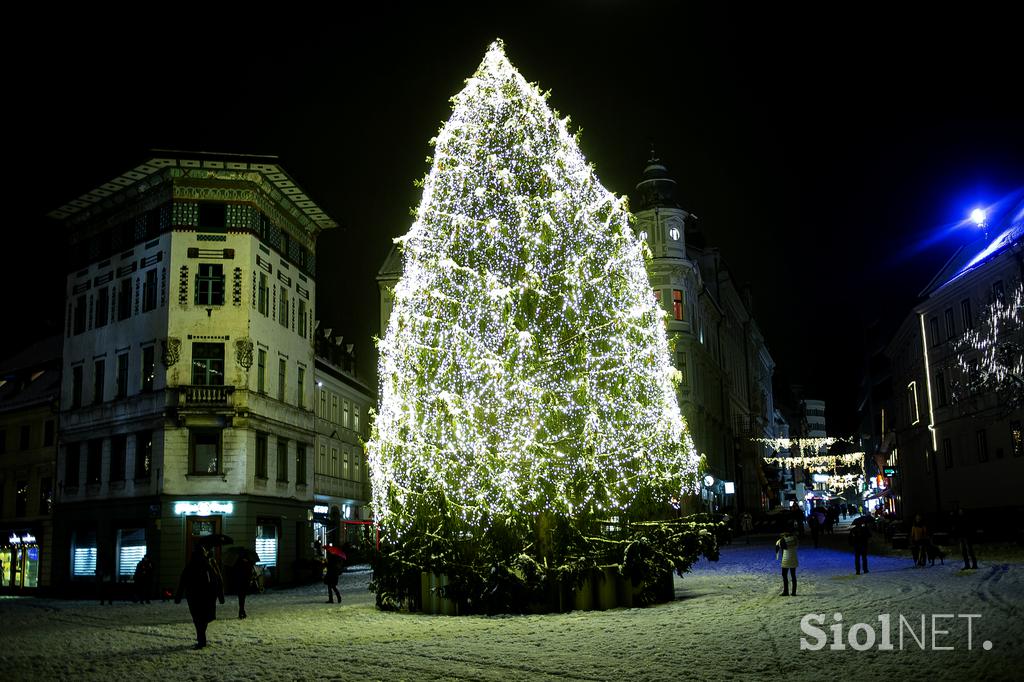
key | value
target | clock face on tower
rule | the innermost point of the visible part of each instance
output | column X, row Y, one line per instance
column 674, row 233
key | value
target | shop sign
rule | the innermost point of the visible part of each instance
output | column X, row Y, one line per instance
column 320, row 509
column 204, row 508
column 26, row 539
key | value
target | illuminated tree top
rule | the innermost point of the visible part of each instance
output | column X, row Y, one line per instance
column 525, row 366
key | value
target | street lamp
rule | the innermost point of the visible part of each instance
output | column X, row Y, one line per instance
column 980, row 218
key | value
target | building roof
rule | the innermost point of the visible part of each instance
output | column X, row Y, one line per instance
column 1007, row 229
column 153, row 172
column 392, row 267
column 656, row 189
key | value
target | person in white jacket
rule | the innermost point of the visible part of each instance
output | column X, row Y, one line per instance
column 785, row 549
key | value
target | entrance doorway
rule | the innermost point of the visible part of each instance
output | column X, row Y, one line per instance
column 198, row 526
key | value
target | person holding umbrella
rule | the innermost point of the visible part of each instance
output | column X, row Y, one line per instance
column 335, row 557
column 202, row 586
column 860, row 533
column 241, row 563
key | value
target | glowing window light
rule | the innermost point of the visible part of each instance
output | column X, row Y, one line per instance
column 204, row 508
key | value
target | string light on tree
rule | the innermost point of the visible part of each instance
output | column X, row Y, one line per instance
column 525, row 368
column 991, row 355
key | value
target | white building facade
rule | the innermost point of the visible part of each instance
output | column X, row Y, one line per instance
column 188, row 367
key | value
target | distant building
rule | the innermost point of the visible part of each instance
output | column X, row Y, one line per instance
column 341, row 485
column 187, row 400
column 814, row 411
column 726, row 391
column 29, row 404
column 955, row 447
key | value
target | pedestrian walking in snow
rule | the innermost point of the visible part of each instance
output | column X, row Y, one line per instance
column 747, row 525
column 143, row 580
column 104, row 580
column 919, row 541
column 334, row 567
column 860, row 533
column 202, row 587
column 797, row 516
column 785, row 550
column 963, row 529
column 243, row 577
column 815, row 526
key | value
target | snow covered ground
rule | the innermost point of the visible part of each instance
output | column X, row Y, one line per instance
column 728, row 622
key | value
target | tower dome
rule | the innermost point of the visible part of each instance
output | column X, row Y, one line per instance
column 656, row 188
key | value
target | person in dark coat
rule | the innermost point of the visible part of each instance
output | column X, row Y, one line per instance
column 334, row 567
column 964, row 531
column 242, row 577
column 859, row 536
column 143, row 580
column 202, row 587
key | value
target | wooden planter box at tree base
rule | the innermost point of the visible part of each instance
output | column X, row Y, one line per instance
column 605, row 589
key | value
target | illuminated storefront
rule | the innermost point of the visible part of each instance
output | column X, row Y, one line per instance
column 19, row 554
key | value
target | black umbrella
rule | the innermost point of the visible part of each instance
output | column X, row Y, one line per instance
column 233, row 554
column 214, row 540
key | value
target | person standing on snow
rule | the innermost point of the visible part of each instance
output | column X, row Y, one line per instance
column 785, row 548
column 202, row 587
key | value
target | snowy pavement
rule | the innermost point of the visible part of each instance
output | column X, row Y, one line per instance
column 728, row 622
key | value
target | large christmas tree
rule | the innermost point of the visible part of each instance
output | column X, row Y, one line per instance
column 527, row 390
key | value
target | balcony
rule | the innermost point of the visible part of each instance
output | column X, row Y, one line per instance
column 191, row 396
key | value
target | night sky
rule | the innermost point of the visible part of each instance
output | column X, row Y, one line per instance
column 831, row 157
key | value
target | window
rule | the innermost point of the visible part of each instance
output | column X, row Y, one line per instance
column 300, row 463
column 283, row 308
column 934, row 323
column 93, row 462
column 72, row 463
column 122, row 375
column 118, row 455
column 131, row 547
column 677, row 304
column 334, row 408
column 950, row 324
column 282, row 371
column 282, row 460
column 301, row 375
column 334, row 462
column 323, row 404
column 45, row 496
column 965, row 313
column 208, row 364
column 48, row 427
column 982, row 441
column 264, row 296
column 102, row 312
column 83, row 554
column 149, row 291
column 79, row 325
column 947, row 452
column 266, row 543
column 1016, row 439
column 205, row 451
column 210, row 284
column 76, row 386
column 261, row 370
column 21, row 498
column 940, row 387
column 356, row 409
column 25, row 437
column 148, row 369
column 346, row 472
column 124, row 299
column 261, row 455
column 344, row 413
column 212, row 215
column 143, row 455
column 998, row 293
column 302, row 318
column 99, row 372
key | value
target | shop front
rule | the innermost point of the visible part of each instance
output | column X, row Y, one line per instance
column 19, row 560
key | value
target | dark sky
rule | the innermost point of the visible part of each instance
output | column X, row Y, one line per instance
column 827, row 155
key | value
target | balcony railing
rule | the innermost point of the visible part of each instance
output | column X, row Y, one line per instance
column 205, row 396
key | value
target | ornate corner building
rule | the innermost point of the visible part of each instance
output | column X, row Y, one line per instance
column 726, row 388
column 188, row 393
